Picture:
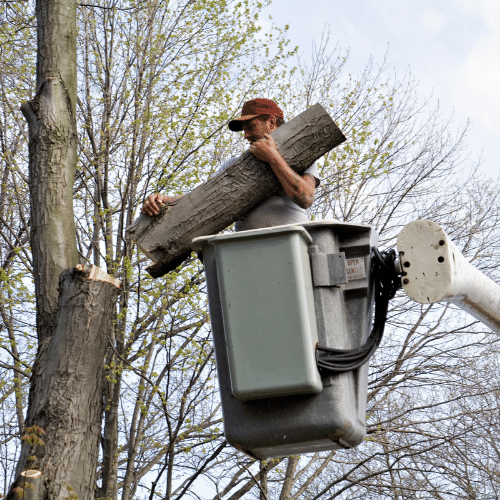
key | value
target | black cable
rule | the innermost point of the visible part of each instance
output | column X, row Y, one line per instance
column 387, row 281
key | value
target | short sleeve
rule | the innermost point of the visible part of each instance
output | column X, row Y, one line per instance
column 313, row 170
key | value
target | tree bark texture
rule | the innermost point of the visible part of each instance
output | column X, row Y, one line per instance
column 214, row 205
column 52, row 155
column 264, row 490
column 291, row 469
column 64, row 422
column 109, row 442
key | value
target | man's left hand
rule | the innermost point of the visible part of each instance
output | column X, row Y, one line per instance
column 299, row 188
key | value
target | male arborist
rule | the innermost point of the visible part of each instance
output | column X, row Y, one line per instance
column 259, row 118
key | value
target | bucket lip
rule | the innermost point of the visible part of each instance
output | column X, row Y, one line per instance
column 347, row 226
column 202, row 241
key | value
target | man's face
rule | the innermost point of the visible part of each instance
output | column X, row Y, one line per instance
column 256, row 129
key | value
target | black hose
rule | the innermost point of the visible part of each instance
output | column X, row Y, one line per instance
column 387, row 281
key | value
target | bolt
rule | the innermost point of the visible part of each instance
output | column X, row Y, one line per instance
column 441, row 242
column 406, row 264
column 441, row 259
column 406, row 281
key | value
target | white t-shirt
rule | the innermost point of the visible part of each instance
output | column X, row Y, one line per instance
column 278, row 210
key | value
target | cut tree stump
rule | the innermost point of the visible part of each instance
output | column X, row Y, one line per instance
column 64, row 422
column 225, row 198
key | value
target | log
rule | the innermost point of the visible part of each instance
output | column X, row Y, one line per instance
column 225, row 198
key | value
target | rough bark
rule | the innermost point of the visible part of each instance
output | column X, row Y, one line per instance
column 60, row 445
column 211, row 207
column 52, row 155
column 65, row 407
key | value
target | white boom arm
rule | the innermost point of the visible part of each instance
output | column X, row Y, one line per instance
column 435, row 271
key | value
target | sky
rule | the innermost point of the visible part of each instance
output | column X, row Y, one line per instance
column 451, row 47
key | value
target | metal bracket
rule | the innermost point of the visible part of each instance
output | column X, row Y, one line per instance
column 328, row 269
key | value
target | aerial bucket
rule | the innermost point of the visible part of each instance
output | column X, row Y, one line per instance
column 274, row 294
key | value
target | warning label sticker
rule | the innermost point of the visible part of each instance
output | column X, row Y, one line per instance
column 355, row 269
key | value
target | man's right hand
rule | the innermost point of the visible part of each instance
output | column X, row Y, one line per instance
column 152, row 204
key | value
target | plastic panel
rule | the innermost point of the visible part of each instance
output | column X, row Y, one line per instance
column 268, row 312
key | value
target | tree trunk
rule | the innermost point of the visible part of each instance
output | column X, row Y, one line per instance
column 211, row 207
column 264, row 490
column 52, row 155
column 109, row 478
column 286, row 490
column 65, row 407
column 60, row 445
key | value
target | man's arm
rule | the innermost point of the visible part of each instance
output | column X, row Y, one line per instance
column 300, row 188
column 153, row 202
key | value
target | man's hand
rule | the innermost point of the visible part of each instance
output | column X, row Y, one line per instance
column 299, row 188
column 153, row 203
column 265, row 149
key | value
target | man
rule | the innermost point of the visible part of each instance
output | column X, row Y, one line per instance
column 259, row 118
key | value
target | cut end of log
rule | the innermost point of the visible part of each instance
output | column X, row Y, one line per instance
column 161, row 268
column 95, row 273
column 31, row 473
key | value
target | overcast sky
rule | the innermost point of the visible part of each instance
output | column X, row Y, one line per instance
column 452, row 47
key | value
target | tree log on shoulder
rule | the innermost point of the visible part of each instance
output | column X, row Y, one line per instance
column 222, row 200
